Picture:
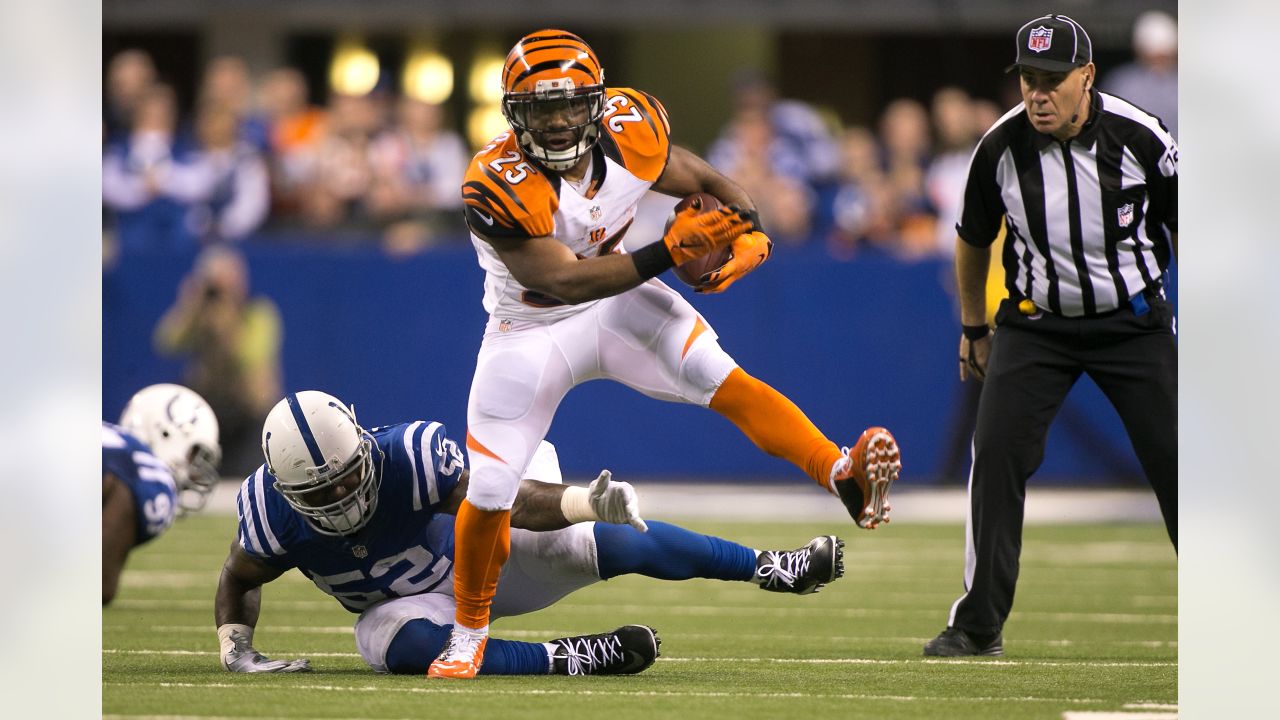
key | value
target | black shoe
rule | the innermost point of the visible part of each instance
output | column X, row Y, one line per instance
column 801, row 571
column 626, row 651
column 954, row 642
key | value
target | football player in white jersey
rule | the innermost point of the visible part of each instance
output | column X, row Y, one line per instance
column 159, row 462
column 368, row 517
column 548, row 205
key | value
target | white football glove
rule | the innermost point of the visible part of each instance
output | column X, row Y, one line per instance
column 238, row 654
column 616, row 503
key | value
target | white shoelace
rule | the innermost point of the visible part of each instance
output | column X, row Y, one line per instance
column 461, row 646
column 584, row 654
column 782, row 568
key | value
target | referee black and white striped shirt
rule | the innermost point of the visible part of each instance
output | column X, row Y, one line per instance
column 1088, row 219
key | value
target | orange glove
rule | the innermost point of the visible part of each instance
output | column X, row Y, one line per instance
column 749, row 251
column 694, row 234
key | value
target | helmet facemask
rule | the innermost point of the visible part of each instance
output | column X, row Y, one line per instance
column 557, row 124
column 197, row 479
column 348, row 514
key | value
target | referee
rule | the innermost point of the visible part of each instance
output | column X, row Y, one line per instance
column 1087, row 187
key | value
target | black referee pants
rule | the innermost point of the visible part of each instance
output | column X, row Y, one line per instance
column 1034, row 363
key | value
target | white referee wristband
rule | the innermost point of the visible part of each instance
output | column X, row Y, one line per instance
column 224, row 636
column 575, row 503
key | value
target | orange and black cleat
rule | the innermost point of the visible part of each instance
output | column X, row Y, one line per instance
column 863, row 476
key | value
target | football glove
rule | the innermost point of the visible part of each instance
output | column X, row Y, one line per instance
column 694, row 234
column 615, row 503
column 749, row 251
column 238, row 654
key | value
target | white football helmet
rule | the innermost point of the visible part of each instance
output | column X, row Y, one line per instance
column 181, row 429
column 313, row 443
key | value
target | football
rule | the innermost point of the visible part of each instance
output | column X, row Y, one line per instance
column 690, row 272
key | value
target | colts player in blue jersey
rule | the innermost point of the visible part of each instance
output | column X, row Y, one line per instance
column 368, row 516
column 160, row 461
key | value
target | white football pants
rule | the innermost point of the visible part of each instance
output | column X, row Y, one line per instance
column 649, row 339
column 543, row 567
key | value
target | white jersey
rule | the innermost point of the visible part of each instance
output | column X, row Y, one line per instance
column 508, row 196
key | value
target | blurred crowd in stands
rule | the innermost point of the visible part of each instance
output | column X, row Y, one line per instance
column 257, row 156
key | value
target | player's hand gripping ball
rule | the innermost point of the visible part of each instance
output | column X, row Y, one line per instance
column 691, row 272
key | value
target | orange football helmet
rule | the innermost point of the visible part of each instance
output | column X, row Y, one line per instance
column 553, row 97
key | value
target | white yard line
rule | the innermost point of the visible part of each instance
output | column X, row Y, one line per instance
column 711, row 610
column 1116, row 715
column 482, row 689
column 111, row 651
column 562, row 632
column 788, row 661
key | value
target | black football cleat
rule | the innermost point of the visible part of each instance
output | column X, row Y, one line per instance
column 802, row 571
column 954, row 642
column 626, row 651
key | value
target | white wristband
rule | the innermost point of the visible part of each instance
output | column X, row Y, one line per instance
column 224, row 636
column 575, row 503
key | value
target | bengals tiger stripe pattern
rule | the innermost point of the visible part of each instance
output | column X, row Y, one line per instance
column 546, row 50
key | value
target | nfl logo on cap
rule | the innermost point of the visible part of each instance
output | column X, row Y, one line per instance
column 1040, row 39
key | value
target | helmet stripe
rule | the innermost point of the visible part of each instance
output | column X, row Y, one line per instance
column 550, row 64
column 547, row 35
column 307, row 436
column 579, row 52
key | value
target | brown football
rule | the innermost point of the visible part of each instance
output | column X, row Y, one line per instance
column 690, row 272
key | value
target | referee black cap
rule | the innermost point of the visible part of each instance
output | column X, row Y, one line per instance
column 1054, row 43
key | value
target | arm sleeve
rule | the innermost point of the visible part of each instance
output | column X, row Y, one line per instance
column 260, row 531
column 436, row 463
column 1162, row 183
column 982, row 206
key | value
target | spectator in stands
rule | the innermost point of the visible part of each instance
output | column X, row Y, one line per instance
column 224, row 181
column 342, row 174
column 1151, row 81
column 134, row 170
column 417, row 168
column 862, row 212
column 232, row 343
column 295, row 128
column 802, row 145
column 904, row 137
column 227, row 84
column 130, row 75
column 784, row 200
column 985, row 114
column 955, row 133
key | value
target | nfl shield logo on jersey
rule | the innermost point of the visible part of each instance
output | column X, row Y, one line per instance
column 1125, row 215
column 596, row 213
column 1040, row 39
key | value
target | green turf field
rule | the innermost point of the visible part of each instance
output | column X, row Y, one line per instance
column 1094, row 629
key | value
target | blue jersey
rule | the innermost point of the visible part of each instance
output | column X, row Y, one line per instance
column 407, row 547
column 146, row 476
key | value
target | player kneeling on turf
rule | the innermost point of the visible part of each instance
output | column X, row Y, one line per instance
column 368, row 517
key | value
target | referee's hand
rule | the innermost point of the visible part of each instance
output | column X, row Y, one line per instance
column 974, row 356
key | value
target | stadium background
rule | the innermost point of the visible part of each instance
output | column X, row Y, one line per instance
column 854, row 340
